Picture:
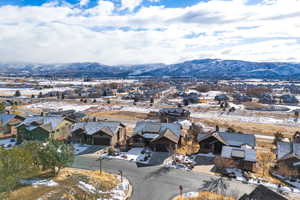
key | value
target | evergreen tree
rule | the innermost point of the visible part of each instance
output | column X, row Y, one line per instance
column 17, row 93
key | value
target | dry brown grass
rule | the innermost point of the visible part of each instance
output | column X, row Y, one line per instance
column 254, row 128
column 207, row 196
column 120, row 114
column 68, row 180
column 266, row 160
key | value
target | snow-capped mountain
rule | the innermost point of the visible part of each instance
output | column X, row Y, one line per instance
column 204, row 68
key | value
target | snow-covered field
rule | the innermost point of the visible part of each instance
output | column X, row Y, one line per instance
column 139, row 109
column 30, row 91
column 244, row 118
column 60, row 106
column 82, row 83
column 8, row 143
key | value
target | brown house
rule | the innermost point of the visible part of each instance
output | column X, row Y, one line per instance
column 288, row 157
column 9, row 122
column 169, row 115
column 99, row 133
column 161, row 137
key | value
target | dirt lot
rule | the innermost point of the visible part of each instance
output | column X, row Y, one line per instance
column 120, row 114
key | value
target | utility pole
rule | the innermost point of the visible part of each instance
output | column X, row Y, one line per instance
column 100, row 164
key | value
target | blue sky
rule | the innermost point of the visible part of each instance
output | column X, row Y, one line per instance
column 148, row 31
column 167, row 3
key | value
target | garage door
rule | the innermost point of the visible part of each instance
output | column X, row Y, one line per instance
column 101, row 141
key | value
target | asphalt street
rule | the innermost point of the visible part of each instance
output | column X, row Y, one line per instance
column 156, row 182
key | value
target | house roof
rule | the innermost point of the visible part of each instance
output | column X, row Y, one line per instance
column 262, row 193
column 169, row 130
column 42, row 121
column 174, row 111
column 286, row 148
column 232, row 139
column 91, row 128
column 242, row 153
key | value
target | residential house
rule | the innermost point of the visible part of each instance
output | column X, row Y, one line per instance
column 288, row 157
column 99, row 133
column 173, row 114
column 237, row 147
column 221, row 97
column 267, row 99
column 43, row 127
column 9, row 122
column 242, row 97
column 289, row 99
column 161, row 137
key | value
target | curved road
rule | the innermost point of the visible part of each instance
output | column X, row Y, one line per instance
column 156, row 183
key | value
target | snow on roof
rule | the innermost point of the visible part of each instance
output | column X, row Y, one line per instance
column 244, row 153
column 5, row 118
column 146, row 127
column 93, row 127
column 35, row 121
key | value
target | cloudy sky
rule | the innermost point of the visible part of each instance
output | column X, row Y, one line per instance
column 148, row 31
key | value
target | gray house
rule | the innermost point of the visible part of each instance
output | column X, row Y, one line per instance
column 237, row 147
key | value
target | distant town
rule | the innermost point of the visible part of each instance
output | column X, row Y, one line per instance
column 149, row 138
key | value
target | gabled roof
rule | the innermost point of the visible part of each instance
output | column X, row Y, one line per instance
column 170, row 130
column 91, row 128
column 284, row 149
column 232, row 139
column 42, row 121
column 242, row 153
column 262, row 193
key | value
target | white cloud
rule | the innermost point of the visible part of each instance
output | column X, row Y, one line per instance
column 84, row 2
column 130, row 4
column 62, row 33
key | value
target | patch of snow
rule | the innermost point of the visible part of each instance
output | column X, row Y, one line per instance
column 134, row 155
column 38, row 182
column 238, row 174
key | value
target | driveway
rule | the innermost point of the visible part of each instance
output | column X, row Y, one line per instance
column 156, row 182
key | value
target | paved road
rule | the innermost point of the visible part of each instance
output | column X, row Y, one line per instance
column 156, row 183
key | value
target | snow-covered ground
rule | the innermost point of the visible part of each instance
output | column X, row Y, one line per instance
column 139, row 109
column 8, row 143
column 117, row 193
column 60, row 106
column 38, row 182
column 134, row 155
column 78, row 148
column 30, row 91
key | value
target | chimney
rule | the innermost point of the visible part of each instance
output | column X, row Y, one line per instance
column 217, row 128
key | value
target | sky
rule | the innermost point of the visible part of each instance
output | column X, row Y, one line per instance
column 116, row 32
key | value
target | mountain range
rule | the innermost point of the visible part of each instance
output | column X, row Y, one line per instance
column 202, row 68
